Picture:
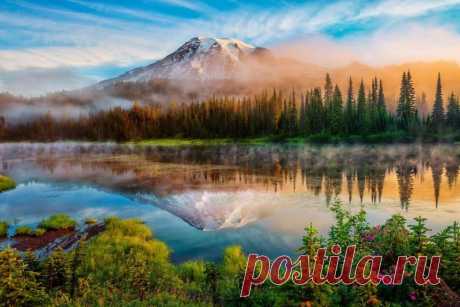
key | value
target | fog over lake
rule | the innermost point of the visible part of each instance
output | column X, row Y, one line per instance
column 202, row 199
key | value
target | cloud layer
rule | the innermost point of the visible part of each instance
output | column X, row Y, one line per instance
column 81, row 33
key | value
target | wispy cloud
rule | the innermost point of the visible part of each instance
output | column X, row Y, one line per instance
column 127, row 12
column 405, row 8
column 83, row 33
column 196, row 6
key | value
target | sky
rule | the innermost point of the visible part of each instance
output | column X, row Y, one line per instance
column 52, row 45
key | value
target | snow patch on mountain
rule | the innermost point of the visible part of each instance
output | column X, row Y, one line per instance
column 201, row 58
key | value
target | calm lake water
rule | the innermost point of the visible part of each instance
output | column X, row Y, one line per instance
column 201, row 199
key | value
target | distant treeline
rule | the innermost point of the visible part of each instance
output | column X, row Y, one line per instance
column 317, row 112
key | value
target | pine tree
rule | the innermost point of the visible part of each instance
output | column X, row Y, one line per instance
column 438, row 107
column 406, row 111
column 328, row 90
column 453, row 112
column 337, row 112
column 381, row 109
column 315, row 113
column 327, row 103
column 361, row 112
column 350, row 109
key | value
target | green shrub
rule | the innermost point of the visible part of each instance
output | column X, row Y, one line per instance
column 39, row 232
column 24, row 231
column 58, row 221
column 6, row 183
column 3, row 229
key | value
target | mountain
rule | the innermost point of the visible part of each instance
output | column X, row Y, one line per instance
column 199, row 59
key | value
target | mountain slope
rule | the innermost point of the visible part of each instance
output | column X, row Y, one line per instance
column 199, row 59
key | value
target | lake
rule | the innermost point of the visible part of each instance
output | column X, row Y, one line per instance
column 200, row 199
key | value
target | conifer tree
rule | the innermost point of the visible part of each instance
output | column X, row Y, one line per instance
column 361, row 109
column 438, row 107
column 337, row 112
column 328, row 90
column 381, row 109
column 350, row 109
column 453, row 112
column 315, row 113
column 406, row 110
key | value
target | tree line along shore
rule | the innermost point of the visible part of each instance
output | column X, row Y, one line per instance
column 319, row 115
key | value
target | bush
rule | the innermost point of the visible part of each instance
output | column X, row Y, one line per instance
column 39, row 232
column 18, row 285
column 24, row 231
column 6, row 183
column 58, row 221
column 3, row 229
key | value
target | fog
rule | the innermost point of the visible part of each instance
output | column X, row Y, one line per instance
column 234, row 186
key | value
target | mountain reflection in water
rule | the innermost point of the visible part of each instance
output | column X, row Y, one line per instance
column 230, row 186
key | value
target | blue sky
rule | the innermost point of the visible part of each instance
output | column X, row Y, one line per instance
column 88, row 40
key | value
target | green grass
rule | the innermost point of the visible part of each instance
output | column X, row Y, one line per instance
column 6, row 183
column 24, row 231
column 3, row 229
column 172, row 142
column 58, row 221
column 320, row 138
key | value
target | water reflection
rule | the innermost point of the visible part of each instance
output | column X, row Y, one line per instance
column 260, row 197
column 355, row 173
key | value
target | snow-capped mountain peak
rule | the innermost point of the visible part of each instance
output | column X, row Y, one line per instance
column 201, row 58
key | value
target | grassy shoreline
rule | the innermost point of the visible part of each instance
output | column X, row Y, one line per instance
column 6, row 183
column 322, row 138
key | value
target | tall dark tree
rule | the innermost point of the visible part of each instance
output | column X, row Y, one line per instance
column 361, row 110
column 406, row 111
column 350, row 111
column 438, row 115
column 381, row 109
column 336, row 123
column 453, row 112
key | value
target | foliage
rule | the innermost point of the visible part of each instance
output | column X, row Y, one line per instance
column 39, row 232
column 6, row 183
column 4, row 229
column 58, row 221
column 126, row 265
column 24, row 231
column 18, row 285
column 315, row 114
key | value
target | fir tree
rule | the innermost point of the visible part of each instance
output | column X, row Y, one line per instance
column 406, row 111
column 361, row 109
column 381, row 109
column 350, row 109
column 438, row 107
column 453, row 112
column 337, row 112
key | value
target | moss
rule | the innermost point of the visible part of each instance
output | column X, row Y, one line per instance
column 58, row 221
column 24, row 231
column 3, row 229
column 6, row 183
